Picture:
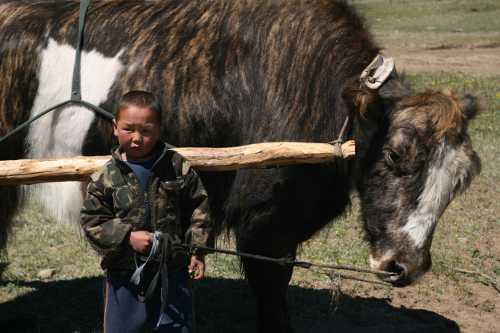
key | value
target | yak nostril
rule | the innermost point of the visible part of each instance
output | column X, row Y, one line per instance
column 397, row 268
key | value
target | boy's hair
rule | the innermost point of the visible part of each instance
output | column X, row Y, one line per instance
column 141, row 99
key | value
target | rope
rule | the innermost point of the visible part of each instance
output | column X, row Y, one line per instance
column 287, row 260
column 340, row 138
column 136, row 277
column 164, row 245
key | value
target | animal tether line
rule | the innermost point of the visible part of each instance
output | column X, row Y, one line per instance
column 156, row 250
column 76, row 96
column 290, row 261
column 164, row 246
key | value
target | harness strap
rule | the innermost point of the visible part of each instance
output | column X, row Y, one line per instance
column 32, row 119
column 76, row 90
column 76, row 94
column 76, row 97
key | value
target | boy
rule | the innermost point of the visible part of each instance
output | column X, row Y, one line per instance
column 145, row 188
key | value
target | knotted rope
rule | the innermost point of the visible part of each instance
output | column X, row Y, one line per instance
column 164, row 246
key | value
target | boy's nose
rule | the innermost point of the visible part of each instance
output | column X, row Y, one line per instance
column 136, row 137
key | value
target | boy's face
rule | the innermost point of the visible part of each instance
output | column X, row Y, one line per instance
column 137, row 130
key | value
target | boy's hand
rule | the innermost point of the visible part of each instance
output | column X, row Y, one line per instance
column 197, row 267
column 141, row 241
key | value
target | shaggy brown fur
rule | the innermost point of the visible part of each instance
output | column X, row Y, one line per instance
column 438, row 110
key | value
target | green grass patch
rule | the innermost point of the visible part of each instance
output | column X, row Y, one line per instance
column 432, row 22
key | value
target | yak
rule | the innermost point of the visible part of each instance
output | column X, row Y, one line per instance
column 238, row 72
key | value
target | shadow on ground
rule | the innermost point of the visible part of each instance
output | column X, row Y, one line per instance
column 223, row 306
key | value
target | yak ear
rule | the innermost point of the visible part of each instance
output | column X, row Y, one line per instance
column 469, row 106
column 395, row 88
column 359, row 99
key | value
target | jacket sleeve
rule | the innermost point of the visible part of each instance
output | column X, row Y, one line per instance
column 105, row 232
column 196, row 205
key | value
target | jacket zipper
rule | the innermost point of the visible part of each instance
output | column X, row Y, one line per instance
column 147, row 193
column 148, row 204
column 149, row 201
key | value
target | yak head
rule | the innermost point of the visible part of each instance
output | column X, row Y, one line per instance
column 416, row 164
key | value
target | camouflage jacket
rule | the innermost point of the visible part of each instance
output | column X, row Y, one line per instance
column 175, row 202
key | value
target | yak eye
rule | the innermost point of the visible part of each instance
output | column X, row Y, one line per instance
column 391, row 157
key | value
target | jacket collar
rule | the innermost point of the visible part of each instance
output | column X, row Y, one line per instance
column 161, row 150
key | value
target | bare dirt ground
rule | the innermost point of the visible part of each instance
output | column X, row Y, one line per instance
column 480, row 59
column 463, row 299
column 435, row 304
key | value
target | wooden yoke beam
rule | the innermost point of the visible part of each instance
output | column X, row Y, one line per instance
column 259, row 155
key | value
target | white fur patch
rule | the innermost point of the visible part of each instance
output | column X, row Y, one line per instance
column 376, row 263
column 440, row 188
column 61, row 133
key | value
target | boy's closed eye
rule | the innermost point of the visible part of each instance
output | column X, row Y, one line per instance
column 140, row 129
column 146, row 130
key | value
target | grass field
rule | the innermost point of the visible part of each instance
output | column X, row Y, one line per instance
column 432, row 22
column 444, row 301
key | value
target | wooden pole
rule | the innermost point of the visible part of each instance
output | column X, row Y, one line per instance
column 260, row 155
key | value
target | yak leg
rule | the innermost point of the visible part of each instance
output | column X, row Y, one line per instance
column 19, row 65
column 269, row 283
column 11, row 149
column 8, row 206
column 10, row 196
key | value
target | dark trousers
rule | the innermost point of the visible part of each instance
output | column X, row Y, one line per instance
column 123, row 311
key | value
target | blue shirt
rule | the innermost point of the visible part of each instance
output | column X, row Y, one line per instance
column 142, row 170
